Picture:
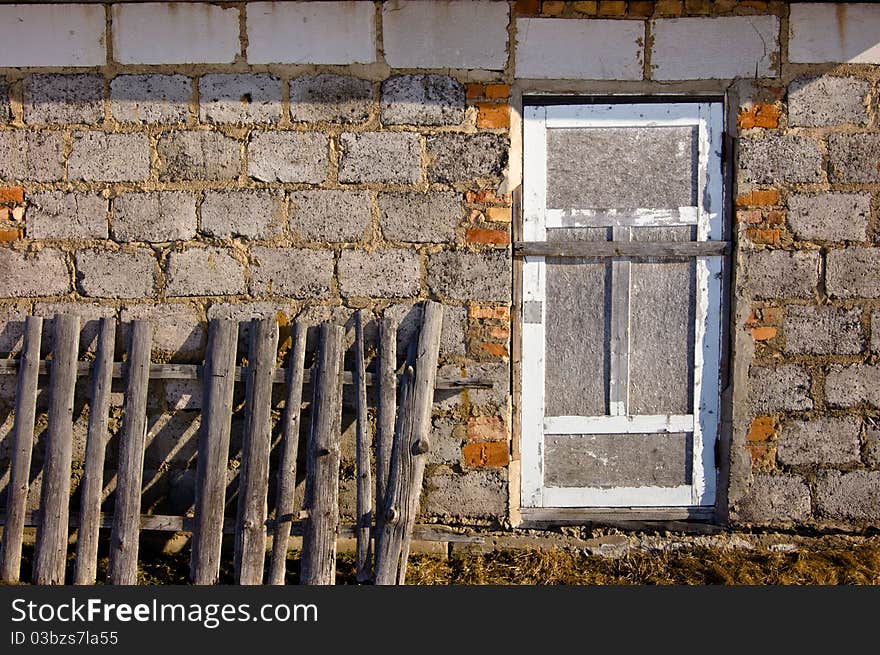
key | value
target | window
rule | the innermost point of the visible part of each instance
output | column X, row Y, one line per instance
column 621, row 304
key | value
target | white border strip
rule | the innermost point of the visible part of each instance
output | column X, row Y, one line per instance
column 671, row 114
column 618, row 496
column 614, row 217
column 618, row 424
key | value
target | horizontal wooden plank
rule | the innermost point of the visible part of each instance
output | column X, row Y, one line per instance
column 172, row 523
column 194, row 372
column 629, row 249
column 676, row 519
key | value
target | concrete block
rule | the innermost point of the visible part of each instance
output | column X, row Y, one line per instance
column 198, row 156
column 853, row 273
column 116, row 274
column 422, row 100
column 12, row 318
column 821, row 101
column 232, row 98
column 849, row 386
column 593, row 49
column 780, row 274
column 288, row 157
column 715, row 48
column 776, row 159
column 31, row 155
column 380, row 274
column 420, row 217
column 822, row 441
column 830, row 216
column 823, row 330
column 468, row 276
column 90, row 315
column 330, row 98
column 62, row 99
column 875, row 330
column 175, row 33
column 496, row 373
column 446, row 440
column 183, row 394
column 157, row 216
column 291, row 272
column 476, row 494
column 784, row 388
column 872, row 447
column 388, row 157
column 60, row 215
column 334, row 216
column 151, row 98
column 249, row 214
column 178, row 329
column 33, row 35
column 775, row 498
column 311, row 33
column 5, row 107
column 203, row 272
column 854, row 496
column 463, row 157
column 831, row 33
column 97, row 156
column 854, row 157
column 448, row 34
column 409, row 317
column 25, row 275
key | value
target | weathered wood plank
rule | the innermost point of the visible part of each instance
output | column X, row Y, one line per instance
column 250, row 534
column 414, row 446
column 635, row 249
column 621, row 275
column 363, row 555
column 387, row 410
column 213, row 452
column 92, row 484
column 318, row 566
column 194, row 372
column 51, row 548
column 20, row 451
column 286, row 486
column 127, row 509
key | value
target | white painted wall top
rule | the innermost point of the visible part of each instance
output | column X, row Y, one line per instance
column 311, row 32
column 553, row 48
column 449, row 34
column 52, row 35
column 827, row 32
column 714, row 48
column 175, row 33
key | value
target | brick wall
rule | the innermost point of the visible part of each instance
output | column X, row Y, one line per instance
column 302, row 160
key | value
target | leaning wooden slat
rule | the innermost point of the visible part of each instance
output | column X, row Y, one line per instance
column 363, row 553
column 51, row 549
column 96, row 446
column 387, row 410
column 415, row 445
column 127, row 509
column 286, row 486
column 250, row 533
column 318, row 562
column 22, row 445
column 213, row 454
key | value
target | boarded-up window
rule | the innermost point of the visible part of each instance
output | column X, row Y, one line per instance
column 621, row 304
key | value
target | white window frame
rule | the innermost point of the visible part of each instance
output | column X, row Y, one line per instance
column 703, row 422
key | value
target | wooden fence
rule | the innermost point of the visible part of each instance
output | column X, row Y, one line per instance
column 384, row 527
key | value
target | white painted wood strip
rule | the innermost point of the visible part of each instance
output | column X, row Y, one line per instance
column 679, row 496
column 626, row 115
column 646, row 423
column 611, row 217
column 618, row 383
column 714, row 117
column 534, row 173
column 533, row 358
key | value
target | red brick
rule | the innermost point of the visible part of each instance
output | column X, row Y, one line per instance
column 494, row 116
column 492, row 453
column 9, row 235
column 641, row 9
column 11, row 194
column 612, row 7
column 487, row 196
column 552, row 8
column 775, row 217
column 763, row 333
column 486, row 428
column 668, row 8
column 771, row 315
column 766, row 236
column 473, row 90
column 527, row 7
column 758, row 198
column 497, row 91
column 588, row 8
column 494, row 349
column 495, row 237
column 761, row 115
column 763, row 456
column 500, row 332
column 762, row 429
column 749, row 216
column 485, row 311
column 694, row 7
column 498, row 214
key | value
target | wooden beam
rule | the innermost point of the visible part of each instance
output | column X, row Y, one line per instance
column 632, row 249
column 363, row 555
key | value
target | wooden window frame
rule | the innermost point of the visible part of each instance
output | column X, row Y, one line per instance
column 709, row 252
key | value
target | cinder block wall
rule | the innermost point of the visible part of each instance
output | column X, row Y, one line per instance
column 182, row 162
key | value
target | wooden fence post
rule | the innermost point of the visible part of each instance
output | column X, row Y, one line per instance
column 364, row 501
